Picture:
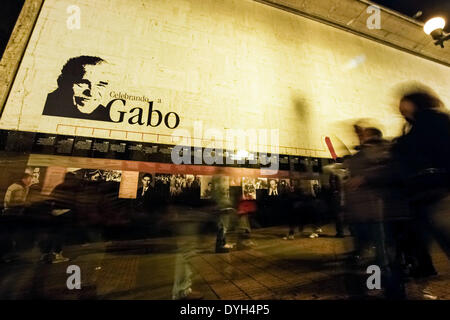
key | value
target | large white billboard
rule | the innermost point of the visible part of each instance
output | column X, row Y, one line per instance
column 141, row 69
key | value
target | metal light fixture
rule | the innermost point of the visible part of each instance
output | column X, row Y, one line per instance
column 435, row 28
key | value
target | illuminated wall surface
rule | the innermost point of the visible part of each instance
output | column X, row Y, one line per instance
column 227, row 63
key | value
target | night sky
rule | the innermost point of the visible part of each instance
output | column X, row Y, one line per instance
column 430, row 8
column 9, row 11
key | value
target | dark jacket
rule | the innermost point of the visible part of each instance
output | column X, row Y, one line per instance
column 144, row 202
column 427, row 144
column 380, row 198
column 424, row 152
column 365, row 203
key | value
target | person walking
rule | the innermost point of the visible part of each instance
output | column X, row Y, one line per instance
column 370, row 211
column 424, row 151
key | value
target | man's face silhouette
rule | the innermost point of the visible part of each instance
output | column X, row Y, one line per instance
column 89, row 90
column 27, row 180
column 273, row 184
column 146, row 182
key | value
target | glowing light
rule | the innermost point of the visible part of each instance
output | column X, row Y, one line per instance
column 433, row 24
column 240, row 155
column 355, row 62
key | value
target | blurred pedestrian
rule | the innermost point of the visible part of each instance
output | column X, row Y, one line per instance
column 14, row 205
column 223, row 207
column 58, row 220
column 367, row 209
column 16, row 195
column 424, row 151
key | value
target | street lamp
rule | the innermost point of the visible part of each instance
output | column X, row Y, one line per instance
column 434, row 27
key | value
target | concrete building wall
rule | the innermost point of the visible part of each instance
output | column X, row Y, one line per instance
column 227, row 63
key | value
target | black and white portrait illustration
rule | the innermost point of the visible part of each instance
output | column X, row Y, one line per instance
column 284, row 186
column 102, row 175
column 273, row 188
column 261, row 183
column 206, row 187
column 145, row 192
column 82, row 85
column 249, row 188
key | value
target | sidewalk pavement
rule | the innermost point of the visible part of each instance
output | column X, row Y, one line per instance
column 270, row 268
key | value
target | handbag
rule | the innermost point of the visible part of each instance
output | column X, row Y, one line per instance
column 246, row 206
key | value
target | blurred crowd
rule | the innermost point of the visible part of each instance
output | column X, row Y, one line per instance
column 392, row 196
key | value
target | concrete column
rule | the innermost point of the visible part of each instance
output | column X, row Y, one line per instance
column 16, row 47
